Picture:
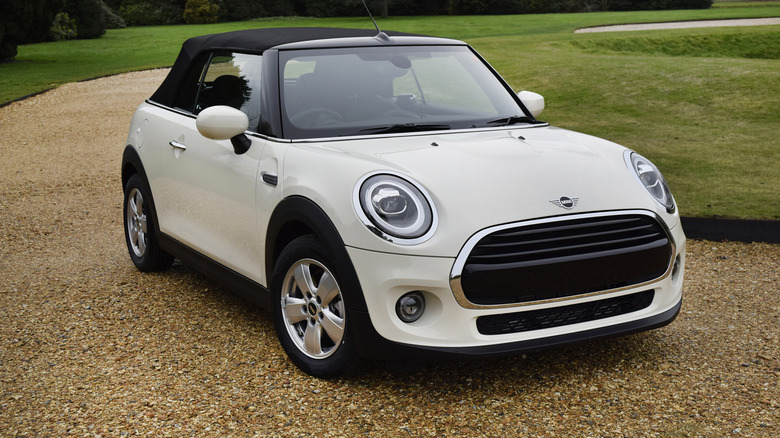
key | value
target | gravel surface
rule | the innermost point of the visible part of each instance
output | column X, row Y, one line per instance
column 91, row 347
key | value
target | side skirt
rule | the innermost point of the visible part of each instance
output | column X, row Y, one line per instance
column 240, row 285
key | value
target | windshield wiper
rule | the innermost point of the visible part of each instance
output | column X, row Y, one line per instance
column 505, row 121
column 403, row 127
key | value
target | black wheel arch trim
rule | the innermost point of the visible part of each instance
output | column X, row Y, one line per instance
column 371, row 344
column 130, row 157
column 303, row 211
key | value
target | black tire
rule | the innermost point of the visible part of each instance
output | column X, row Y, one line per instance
column 140, row 228
column 310, row 316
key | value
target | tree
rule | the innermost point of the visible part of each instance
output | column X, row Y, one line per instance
column 200, row 12
column 111, row 18
column 378, row 8
column 152, row 12
column 89, row 17
column 237, row 10
column 25, row 21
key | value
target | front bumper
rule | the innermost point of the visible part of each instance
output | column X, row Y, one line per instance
column 371, row 344
column 448, row 328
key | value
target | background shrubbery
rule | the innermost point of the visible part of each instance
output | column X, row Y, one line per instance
column 31, row 21
column 88, row 17
column 200, row 12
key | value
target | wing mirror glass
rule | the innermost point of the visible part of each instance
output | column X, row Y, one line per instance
column 533, row 101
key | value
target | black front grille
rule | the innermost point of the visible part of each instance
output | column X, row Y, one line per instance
column 565, row 258
column 563, row 315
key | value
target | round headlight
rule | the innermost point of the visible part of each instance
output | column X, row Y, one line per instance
column 653, row 181
column 396, row 208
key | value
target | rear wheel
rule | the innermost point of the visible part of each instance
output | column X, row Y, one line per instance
column 140, row 228
column 310, row 315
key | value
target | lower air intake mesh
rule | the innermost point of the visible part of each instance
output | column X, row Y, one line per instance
column 563, row 315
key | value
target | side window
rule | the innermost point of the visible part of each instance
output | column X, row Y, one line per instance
column 231, row 79
column 191, row 83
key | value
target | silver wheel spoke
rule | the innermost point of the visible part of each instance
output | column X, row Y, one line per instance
column 142, row 223
column 138, row 204
column 142, row 243
column 313, row 339
column 333, row 325
column 328, row 290
column 295, row 310
column 303, row 279
column 133, row 205
column 133, row 232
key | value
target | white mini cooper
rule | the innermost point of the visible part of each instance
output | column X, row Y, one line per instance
column 388, row 195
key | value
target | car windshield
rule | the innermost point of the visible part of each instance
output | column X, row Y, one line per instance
column 375, row 90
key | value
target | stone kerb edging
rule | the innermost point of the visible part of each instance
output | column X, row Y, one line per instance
column 737, row 230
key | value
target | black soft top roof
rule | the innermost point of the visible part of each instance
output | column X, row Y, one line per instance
column 248, row 41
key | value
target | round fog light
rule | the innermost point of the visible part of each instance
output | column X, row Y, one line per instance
column 410, row 307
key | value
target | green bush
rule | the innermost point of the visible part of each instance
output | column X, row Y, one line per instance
column 200, row 12
column 238, row 10
column 151, row 12
column 25, row 21
column 112, row 20
column 63, row 27
column 89, row 16
column 140, row 14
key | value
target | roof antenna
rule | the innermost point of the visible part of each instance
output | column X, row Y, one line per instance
column 380, row 35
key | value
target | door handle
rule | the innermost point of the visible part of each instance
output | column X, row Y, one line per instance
column 177, row 145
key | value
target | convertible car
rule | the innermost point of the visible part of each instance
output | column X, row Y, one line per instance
column 389, row 195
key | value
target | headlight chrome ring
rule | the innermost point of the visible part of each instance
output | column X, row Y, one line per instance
column 650, row 177
column 395, row 207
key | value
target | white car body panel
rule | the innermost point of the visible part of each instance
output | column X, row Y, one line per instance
column 462, row 174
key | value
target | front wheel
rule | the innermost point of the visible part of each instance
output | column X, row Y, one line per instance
column 139, row 228
column 310, row 315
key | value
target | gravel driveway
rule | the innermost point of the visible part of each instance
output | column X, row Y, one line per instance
column 91, row 347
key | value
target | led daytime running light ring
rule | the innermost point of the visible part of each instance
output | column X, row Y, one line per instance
column 652, row 179
column 415, row 220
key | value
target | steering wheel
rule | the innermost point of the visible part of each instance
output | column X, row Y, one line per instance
column 401, row 114
column 316, row 116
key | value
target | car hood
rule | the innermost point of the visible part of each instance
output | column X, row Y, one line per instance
column 485, row 178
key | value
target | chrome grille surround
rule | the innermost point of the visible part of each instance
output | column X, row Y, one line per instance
column 460, row 264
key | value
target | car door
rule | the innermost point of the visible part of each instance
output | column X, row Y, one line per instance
column 210, row 195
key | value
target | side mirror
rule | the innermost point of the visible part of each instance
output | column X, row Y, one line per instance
column 533, row 101
column 222, row 122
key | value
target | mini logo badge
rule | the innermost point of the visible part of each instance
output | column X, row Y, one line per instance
column 565, row 202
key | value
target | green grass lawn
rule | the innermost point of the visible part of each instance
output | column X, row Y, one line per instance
column 704, row 104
